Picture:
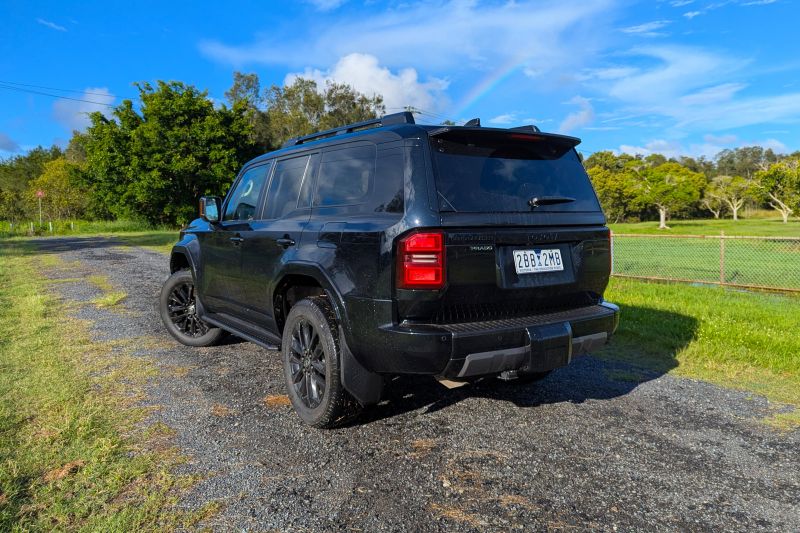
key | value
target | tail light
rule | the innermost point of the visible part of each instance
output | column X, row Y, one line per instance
column 420, row 261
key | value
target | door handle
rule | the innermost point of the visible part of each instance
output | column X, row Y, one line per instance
column 285, row 242
column 236, row 240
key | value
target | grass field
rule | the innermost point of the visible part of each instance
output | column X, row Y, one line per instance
column 73, row 452
column 750, row 227
column 772, row 263
column 741, row 340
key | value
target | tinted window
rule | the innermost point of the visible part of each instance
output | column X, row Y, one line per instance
column 284, row 188
column 501, row 173
column 345, row 176
column 243, row 199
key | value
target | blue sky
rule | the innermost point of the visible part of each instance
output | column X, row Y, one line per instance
column 672, row 76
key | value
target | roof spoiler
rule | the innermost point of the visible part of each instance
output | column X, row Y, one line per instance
column 404, row 117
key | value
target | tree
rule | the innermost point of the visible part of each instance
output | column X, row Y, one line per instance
column 713, row 204
column 155, row 163
column 616, row 191
column 245, row 96
column 301, row 108
column 62, row 183
column 671, row 188
column 745, row 161
column 780, row 186
column 732, row 191
column 15, row 175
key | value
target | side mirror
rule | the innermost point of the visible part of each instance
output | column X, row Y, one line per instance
column 210, row 206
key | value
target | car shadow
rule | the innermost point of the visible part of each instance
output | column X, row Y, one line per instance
column 614, row 371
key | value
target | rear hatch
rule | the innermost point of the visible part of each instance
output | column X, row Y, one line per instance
column 523, row 229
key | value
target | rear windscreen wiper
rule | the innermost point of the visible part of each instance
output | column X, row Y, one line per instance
column 536, row 201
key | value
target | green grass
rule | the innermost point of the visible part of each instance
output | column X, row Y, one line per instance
column 742, row 340
column 74, row 453
column 749, row 227
column 75, row 227
column 159, row 240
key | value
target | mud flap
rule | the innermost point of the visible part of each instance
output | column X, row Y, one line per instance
column 365, row 386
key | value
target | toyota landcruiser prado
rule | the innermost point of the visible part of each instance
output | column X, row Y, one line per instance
column 387, row 247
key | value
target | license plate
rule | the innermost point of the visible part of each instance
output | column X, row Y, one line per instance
column 529, row 261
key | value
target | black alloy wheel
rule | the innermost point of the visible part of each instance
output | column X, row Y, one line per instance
column 307, row 364
column 311, row 354
column 178, row 309
column 182, row 309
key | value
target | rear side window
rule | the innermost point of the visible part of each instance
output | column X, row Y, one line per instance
column 346, row 176
column 243, row 198
column 488, row 172
column 284, row 188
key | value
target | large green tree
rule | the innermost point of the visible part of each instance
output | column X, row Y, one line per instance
column 15, row 175
column 731, row 191
column 153, row 163
column 62, row 184
column 779, row 185
column 671, row 188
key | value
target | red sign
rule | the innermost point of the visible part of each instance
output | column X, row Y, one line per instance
column 40, row 193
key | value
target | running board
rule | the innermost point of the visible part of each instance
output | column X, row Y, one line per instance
column 233, row 325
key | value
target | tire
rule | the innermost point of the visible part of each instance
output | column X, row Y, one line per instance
column 176, row 305
column 311, row 365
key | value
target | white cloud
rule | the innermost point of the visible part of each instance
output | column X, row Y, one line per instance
column 681, row 3
column 692, row 14
column 326, row 5
column 364, row 73
column 508, row 118
column 712, row 95
column 579, row 118
column 760, row 3
column 51, row 25
column 7, row 144
column 456, row 34
column 675, row 70
column 74, row 115
column 648, row 28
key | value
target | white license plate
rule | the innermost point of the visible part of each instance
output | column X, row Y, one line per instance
column 528, row 261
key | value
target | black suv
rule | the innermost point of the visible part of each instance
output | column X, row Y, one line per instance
column 387, row 247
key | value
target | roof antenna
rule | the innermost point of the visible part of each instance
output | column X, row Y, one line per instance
column 474, row 123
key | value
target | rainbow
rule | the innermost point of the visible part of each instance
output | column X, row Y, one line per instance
column 486, row 85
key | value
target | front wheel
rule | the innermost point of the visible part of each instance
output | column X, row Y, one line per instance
column 311, row 365
column 178, row 308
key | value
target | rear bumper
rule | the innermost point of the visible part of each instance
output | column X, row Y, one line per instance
column 534, row 343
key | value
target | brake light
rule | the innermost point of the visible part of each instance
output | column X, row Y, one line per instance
column 420, row 261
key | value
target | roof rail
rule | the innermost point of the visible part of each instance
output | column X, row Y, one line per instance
column 404, row 117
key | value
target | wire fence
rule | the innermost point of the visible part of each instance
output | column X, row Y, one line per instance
column 771, row 263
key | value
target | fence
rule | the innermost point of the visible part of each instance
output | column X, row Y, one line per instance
column 771, row 263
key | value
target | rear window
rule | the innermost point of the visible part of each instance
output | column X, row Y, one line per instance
column 490, row 172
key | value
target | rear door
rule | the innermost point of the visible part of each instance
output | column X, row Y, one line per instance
column 524, row 231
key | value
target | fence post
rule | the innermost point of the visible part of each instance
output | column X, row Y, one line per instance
column 722, row 257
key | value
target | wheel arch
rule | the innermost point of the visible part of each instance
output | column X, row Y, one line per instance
column 308, row 276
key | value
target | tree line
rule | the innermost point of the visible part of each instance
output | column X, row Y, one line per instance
column 150, row 161
column 633, row 188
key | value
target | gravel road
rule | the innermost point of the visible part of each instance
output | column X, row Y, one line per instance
column 579, row 450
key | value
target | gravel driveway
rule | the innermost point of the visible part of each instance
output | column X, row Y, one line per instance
column 579, row 450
